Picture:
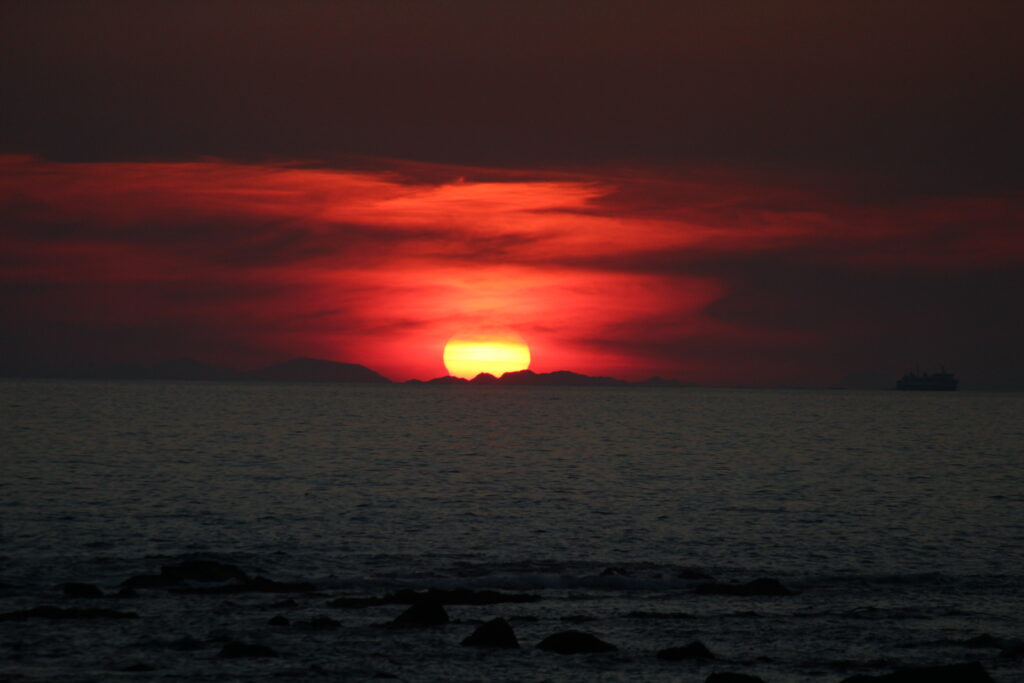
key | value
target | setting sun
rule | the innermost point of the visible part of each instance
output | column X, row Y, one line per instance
column 467, row 357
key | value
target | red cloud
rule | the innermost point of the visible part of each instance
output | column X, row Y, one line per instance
column 602, row 271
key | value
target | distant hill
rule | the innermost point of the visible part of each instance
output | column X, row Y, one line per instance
column 294, row 370
column 188, row 369
column 559, row 378
column 314, row 370
column 447, row 379
column 311, row 370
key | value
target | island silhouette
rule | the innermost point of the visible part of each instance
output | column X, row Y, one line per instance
column 309, row 370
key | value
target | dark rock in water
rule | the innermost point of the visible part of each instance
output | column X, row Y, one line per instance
column 984, row 640
column 278, row 621
column 127, row 592
column 455, row 596
column 422, row 613
column 615, row 571
column 695, row 650
column 318, row 623
column 50, row 612
column 234, row 649
column 200, row 571
column 384, row 675
column 264, row 585
column 969, row 672
column 694, row 575
column 495, row 633
column 466, row 596
column 186, row 644
column 206, row 571
column 755, row 587
column 138, row 668
column 358, row 602
column 730, row 677
column 259, row 584
column 660, row 615
column 574, row 642
column 81, row 590
column 281, row 604
column 146, row 581
column 1013, row 651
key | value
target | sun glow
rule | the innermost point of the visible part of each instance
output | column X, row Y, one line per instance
column 467, row 357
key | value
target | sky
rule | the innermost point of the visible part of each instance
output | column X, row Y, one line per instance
column 728, row 193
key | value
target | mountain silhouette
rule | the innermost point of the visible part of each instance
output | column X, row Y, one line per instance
column 558, row 378
column 189, row 369
column 309, row 370
column 562, row 378
column 315, row 370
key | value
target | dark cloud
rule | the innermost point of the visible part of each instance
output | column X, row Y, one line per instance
column 923, row 95
column 706, row 276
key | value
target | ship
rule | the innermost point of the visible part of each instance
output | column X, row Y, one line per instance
column 922, row 381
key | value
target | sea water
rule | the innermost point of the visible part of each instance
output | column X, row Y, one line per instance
column 896, row 518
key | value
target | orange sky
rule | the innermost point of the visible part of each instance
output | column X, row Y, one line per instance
column 699, row 274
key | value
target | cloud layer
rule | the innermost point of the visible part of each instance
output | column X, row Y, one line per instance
column 705, row 274
column 927, row 94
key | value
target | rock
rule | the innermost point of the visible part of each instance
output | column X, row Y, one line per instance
column 281, row 604
column 81, row 590
column 455, row 596
column 694, row 575
column 1013, row 651
column 259, row 584
column 138, row 668
column 357, row 602
column 730, row 677
column 615, row 571
column 186, row 644
column 495, row 633
column 695, row 650
column 660, row 615
column 984, row 640
column 756, row 587
column 318, row 623
column 574, row 642
column 50, row 612
column 422, row 613
column 264, row 585
column 969, row 672
column 278, row 621
column 146, row 581
column 127, row 592
column 205, row 571
column 466, row 596
column 234, row 649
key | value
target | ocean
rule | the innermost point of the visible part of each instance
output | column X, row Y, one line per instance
column 893, row 520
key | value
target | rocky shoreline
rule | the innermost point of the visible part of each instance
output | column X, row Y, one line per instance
column 313, row 609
